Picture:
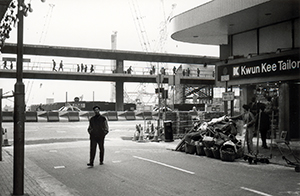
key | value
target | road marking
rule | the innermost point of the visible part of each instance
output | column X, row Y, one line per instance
column 163, row 164
column 59, row 167
column 255, row 191
column 116, row 161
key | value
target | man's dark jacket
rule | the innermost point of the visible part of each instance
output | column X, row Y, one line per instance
column 98, row 127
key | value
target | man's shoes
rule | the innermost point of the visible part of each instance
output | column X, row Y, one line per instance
column 101, row 163
column 90, row 165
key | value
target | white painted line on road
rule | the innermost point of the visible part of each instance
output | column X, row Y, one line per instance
column 59, row 167
column 116, row 161
column 255, row 191
column 163, row 164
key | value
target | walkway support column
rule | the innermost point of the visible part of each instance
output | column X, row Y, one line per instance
column 119, row 87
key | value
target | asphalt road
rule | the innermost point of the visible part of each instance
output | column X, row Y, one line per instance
column 57, row 154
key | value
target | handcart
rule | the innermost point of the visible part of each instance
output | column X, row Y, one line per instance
column 256, row 157
column 283, row 140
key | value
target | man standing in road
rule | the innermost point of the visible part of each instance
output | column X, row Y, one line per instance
column 98, row 128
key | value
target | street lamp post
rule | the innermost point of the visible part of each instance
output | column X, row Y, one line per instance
column 19, row 112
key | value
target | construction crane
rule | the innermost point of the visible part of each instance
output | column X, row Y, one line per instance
column 143, row 36
column 163, row 32
column 41, row 40
column 140, row 26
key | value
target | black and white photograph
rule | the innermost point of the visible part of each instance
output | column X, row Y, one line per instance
column 149, row 97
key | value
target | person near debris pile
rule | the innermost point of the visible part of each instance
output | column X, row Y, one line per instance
column 249, row 125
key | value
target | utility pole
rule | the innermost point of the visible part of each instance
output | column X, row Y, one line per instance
column 1, row 130
column 19, row 111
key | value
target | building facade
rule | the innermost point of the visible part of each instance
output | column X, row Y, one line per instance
column 259, row 52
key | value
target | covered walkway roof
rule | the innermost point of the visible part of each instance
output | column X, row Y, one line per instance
column 45, row 50
column 211, row 23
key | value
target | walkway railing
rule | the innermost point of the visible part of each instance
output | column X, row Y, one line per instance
column 106, row 68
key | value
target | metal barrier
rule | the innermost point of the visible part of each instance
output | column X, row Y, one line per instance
column 112, row 116
column 31, row 117
column 130, row 115
column 73, row 116
column 7, row 117
column 52, row 116
column 182, row 120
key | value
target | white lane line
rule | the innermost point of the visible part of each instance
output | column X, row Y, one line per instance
column 255, row 191
column 59, row 167
column 163, row 164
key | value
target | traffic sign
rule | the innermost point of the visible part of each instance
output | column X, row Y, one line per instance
column 228, row 96
column 225, row 78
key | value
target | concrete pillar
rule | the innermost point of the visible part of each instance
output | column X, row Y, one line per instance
column 119, row 96
column 284, row 106
column 294, row 111
column 119, row 87
column 225, row 51
column 247, row 92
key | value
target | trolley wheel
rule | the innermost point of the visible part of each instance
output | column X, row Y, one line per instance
column 245, row 158
column 297, row 168
column 250, row 160
column 255, row 161
column 267, row 161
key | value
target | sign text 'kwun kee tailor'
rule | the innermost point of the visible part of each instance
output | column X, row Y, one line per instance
column 244, row 70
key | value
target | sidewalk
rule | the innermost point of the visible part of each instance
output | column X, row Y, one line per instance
column 273, row 153
column 32, row 187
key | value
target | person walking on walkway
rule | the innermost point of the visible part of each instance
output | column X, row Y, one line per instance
column 249, row 125
column 54, row 65
column 5, row 65
column 61, row 66
column 92, row 69
column 82, row 67
column 98, row 129
column 78, row 68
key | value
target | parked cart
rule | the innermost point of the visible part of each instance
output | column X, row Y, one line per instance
column 283, row 141
column 256, row 156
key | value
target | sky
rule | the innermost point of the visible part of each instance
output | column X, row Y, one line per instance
column 90, row 24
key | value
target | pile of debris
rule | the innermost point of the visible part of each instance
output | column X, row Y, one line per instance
column 215, row 139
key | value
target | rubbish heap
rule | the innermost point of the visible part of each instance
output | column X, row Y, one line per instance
column 215, row 139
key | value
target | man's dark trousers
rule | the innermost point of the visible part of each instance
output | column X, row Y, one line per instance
column 93, row 147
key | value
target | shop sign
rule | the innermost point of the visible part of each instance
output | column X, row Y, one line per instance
column 228, row 96
column 261, row 68
column 79, row 105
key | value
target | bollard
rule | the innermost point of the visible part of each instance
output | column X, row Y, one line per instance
column 5, row 141
column 141, row 138
column 136, row 136
column 1, row 135
column 155, row 138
